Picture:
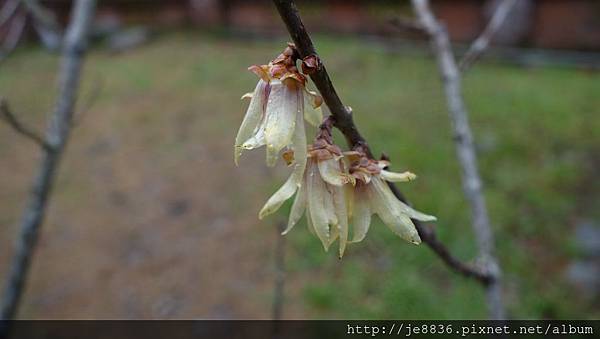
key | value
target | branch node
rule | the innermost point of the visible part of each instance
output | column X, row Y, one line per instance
column 7, row 115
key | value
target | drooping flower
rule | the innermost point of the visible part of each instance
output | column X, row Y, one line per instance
column 279, row 97
column 320, row 192
column 371, row 195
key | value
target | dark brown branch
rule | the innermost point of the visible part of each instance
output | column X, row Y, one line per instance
column 58, row 132
column 344, row 122
column 7, row 115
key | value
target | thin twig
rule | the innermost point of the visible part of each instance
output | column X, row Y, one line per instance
column 7, row 115
column 465, row 151
column 407, row 24
column 89, row 102
column 45, row 24
column 42, row 15
column 479, row 46
column 278, row 293
column 344, row 122
column 58, row 132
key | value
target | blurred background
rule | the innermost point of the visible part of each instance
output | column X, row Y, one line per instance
column 151, row 219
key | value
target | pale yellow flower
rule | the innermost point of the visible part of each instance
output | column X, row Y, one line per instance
column 279, row 97
column 320, row 192
column 371, row 195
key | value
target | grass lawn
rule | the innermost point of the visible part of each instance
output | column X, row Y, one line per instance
column 151, row 214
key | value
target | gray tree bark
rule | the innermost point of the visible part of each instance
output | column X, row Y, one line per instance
column 466, row 153
column 57, row 135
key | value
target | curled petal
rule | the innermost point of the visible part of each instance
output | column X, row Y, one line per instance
column 297, row 209
column 390, row 210
column 252, row 119
column 282, row 107
column 361, row 214
column 260, row 71
column 331, row 172
column 284, row 193
column 397, row 177
column 257, row 140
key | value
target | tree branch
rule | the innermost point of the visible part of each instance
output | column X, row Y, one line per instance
column 45, row 23
column 15, row 32
column 8, row 10
column 343, row 121
column 465, row 151
column 58, row 131
column 7, row 115
column 278, row 291
column 479, row 46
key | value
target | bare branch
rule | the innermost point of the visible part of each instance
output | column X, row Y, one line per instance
column 42, row 15
column 407, row 24
column 73, row 52
column 7, row 115
column 89, row 102
column 278, row 293
column 465, row 152
column 45, row 24
column 479, row 46
column 17, row 27
column 344, row 122
column 8, row 10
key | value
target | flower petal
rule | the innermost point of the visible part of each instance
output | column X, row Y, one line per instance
column 388, row 207
column 361, row 218
column 252, row 119
column 282, row 107
column 331, row 172
column 299, row 147
column 297, row 210
column 397, row 177
column 339, row 202
column 284, row 193
column 312, row 108
column 257, row 140
column 318, row 202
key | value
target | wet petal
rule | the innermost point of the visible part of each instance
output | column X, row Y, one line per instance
column 361, row 217
column 397, row 177
column 388, row 207
column 252, row 119
column 282, row 107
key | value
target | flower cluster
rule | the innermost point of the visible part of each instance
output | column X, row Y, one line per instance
column 334, row 189
column 277, row 105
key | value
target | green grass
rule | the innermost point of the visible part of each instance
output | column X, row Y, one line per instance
column 537, row 132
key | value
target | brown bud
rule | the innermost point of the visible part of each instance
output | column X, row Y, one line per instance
column 311, row 64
